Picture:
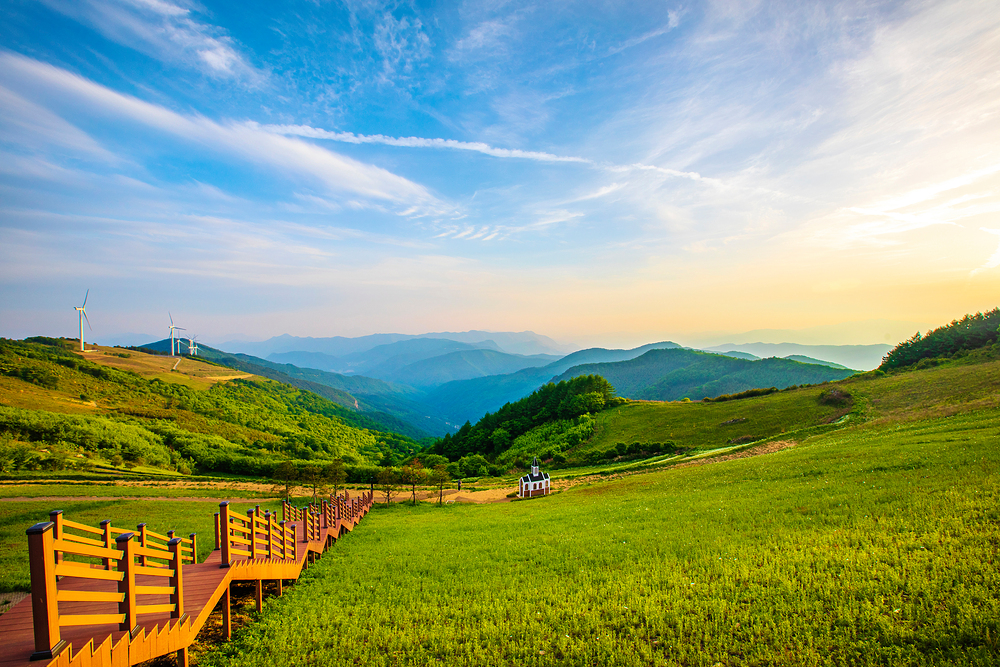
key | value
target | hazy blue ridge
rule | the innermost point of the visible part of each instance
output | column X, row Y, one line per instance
column 466, row 364
column 801, row 358
column 667, row 375
column 524, row 342
column 736, row 354
column 384, row 361
column 469, row 400
column 861, row 357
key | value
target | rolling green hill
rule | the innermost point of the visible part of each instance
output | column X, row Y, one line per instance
column 668, row 375
column 60, row 408
column 369, row 403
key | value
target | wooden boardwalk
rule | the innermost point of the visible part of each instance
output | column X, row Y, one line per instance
column 109, row 597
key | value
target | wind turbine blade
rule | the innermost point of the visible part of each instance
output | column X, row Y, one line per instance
column 171, row 318
column 180, row 328
column 87, row 318
column 85, row 299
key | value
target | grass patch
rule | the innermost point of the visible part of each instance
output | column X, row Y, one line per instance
column 867, row 546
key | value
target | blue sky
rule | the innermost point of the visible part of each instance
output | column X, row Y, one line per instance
column 603, row 173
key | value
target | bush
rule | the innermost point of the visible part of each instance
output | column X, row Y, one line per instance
column 836, row 398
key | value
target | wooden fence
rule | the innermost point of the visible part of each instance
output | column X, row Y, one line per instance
column 112, row 596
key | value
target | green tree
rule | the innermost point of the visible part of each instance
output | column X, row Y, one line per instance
column 335, row 474
column 285, row 474
column 411, row 475
column 439, row 477
column 312, row 475
column 387, row 482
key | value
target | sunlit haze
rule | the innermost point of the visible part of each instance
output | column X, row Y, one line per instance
column 600, row 173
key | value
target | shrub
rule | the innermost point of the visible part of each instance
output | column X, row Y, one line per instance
column 836, row 398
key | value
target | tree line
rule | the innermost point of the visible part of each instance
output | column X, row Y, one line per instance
column 969, row 333
column 496, row 432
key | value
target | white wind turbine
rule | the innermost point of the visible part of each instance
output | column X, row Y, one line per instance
column 82, row 310
column 173, row 346
column 193, row 346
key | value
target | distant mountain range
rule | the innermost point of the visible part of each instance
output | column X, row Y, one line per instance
column 468, row 400
column 524, row 342
column 430, row 384
column 420, row 362
column 670, row 375
column 860, row 357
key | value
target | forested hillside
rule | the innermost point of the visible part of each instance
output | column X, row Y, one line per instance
column 369, row 403
column 670, row 375
column 969, row 333
column 554, row 418
column 60, row 408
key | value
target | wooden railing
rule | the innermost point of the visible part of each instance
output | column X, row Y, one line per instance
column 74, row 563
column 49, row 544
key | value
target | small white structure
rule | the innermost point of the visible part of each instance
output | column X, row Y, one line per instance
column 534, row 484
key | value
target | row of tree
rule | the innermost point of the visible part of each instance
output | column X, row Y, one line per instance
column 331, row 477
column 968, row 333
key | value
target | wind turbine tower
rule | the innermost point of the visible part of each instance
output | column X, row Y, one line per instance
column 173, row 346
column 82, row 310
column 193, row 346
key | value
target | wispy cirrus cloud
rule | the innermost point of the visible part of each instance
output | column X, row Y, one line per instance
column 246, row 141
column 166, row 30
column 418, row 142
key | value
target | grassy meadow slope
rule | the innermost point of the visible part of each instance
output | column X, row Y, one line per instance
column 874, row 544
column 60, row 409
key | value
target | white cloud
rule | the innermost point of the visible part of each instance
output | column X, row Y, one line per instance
column 32, row 126
column 418, row 142
column 291, row 157
column 168, row 31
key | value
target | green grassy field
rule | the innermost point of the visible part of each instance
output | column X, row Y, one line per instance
column 867, row 546
column 185, row 517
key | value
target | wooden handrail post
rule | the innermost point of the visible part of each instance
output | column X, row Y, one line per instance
column 177, row 581
column 56, row 517
column 218, row 533
column 295, row 545
column 44, row 608
column 224, row 532
column 324, row 514
column 305, row 525
column 253, row 532
column 143, row 542
column 268, row 520
column 194, row 547
column 108, row 541
column 126, row 565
